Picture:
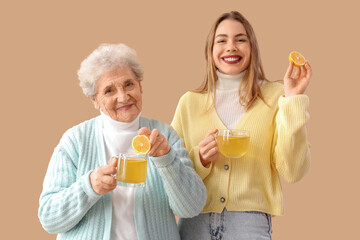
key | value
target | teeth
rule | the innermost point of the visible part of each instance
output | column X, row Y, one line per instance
column 231, row 59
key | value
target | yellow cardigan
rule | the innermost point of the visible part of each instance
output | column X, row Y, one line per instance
column 278, row 146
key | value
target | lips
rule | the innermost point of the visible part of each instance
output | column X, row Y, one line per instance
column 231, row 59
column 125, row 107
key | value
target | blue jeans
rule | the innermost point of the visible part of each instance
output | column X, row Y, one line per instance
column 227, row 226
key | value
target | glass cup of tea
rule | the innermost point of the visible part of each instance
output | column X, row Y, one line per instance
column 232, row 143
column 131, row 169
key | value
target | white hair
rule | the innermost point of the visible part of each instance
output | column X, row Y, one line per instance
column 104, row 59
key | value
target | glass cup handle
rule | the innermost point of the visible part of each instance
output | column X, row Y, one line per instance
column 118, row 158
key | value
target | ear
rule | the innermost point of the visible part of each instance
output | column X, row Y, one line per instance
column 140, row 87
column 95, row 102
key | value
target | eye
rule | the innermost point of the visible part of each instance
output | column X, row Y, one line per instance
column 108, row 90
column 241, row 40
column 220, row 41
column 129, row 85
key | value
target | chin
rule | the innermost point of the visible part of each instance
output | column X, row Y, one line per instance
column 233, row 72
column 128, row 118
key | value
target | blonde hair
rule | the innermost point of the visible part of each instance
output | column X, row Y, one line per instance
column 104, row 59
column 250, row 87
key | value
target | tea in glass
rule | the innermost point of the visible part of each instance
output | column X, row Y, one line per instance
column 132, row 170
column 233, row 143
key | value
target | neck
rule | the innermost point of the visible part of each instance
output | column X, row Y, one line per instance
column 229, row 82
column 116, row 126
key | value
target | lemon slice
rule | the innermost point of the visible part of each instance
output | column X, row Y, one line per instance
column 297, row 58
column 141, row 144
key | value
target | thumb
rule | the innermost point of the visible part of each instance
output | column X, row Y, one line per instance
column 113, row 161
column 211, row 132
column 144, row 131
column 289, row 70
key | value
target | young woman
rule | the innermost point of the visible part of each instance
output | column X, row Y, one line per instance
column 243, row 194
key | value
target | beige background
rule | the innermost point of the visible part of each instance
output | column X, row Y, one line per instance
column 43, row 43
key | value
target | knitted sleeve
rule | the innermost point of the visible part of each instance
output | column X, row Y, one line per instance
column 291, row 152
column 177, row 120
column 184, row 188
column 65, row 200
column 203, row 171
column 180, row 117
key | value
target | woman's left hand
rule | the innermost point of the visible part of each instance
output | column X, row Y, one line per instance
column 297, row 84
column 159, row 144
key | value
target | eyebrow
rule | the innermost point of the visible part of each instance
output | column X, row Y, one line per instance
column 106, row 87
column 237, row 35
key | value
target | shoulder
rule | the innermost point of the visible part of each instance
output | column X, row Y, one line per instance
column 81, row 131
column 273, row 86
column 272, row 89
column 84, row 126
column 192, row 96
column 164, row 128
column 153, row 123
column 191, row 101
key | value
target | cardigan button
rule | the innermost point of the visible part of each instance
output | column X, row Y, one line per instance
column 226, row 167
column 222, row 199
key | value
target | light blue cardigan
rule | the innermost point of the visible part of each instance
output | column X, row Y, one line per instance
column 69, row 206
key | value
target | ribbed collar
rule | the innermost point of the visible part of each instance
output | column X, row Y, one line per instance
column 112, row 125
column 229, row 82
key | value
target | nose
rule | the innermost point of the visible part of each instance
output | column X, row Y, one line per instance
column 231, row 46
column 122, row 96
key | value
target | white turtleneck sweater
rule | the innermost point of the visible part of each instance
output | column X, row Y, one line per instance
column 227, row 103
column 117, row 139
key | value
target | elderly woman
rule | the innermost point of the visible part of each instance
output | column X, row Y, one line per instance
column 81, row 199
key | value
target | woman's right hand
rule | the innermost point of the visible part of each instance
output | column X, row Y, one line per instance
column 208, row 149
column 101, row 179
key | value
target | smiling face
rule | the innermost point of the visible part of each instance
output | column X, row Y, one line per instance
column 231, row 50
column 119, row 94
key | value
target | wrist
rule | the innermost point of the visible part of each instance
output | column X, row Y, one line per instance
column 205, row 163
